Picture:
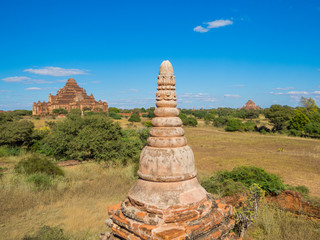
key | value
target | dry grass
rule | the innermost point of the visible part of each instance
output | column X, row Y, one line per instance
column 296, row 160
column 78, row 203
column 275, row 224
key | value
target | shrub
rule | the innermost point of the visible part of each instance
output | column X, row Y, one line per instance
column 246, row 214
column 114, row 115
column 114, row 110
column 220, row 121
column 94, row 137
column 41, row 181
column 16, row 133
column 300, row 189
column 299, row 121
column 134, row 118
column 313, row 129
column 59, row 111
column 279, row 115
column 36, row 164
column 223, row 188
column 192, row 122
column 234, row 125
column 249, row 126
column 188, row 121
column 48, row 233
column 6, row 151
column 147, row 124
column 249, row 175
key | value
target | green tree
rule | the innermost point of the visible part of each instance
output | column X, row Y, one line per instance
column 151, row 112
column 313, row 129
column 16, row 133
column 94, row 137
column 234, row 124
column 309, row 104
column 114, row 115
column 114, row 110
column 59, row 111
column 251, row 114
column 299, row 121
column 134, row 118
column 279, row 116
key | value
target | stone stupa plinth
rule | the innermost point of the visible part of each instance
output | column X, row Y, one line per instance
column 167, row 201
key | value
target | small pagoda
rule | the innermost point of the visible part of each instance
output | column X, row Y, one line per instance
column 71, row 96
column 167, row 201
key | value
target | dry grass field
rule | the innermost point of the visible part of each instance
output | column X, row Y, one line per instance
column 296, row 160
column 78, row 203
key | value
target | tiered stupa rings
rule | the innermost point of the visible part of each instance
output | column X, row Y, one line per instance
column 167, row 201
column 167, row 158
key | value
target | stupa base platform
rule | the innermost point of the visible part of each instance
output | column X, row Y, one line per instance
column 206, row 220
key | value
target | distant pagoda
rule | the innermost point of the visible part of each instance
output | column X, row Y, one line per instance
column 71, row 96
column 251, row 105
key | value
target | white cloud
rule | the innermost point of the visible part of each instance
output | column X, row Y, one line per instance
column 200, row 29
column 189, row 97
column 26, row 80
column 276, row 93
column 316, row 92
column 15, row 79
column 286, row 88
column 56, row 71
column 219, row 23
column 33, row 88
column 297, row 93
column 133, row 90
column 213, row 24
column 232, row 96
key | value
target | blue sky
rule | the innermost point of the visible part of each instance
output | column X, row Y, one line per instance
column 223, row 52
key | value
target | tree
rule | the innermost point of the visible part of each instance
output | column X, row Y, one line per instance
column 251, row 114
column 234, row 125
column 16, row 133
column 114, row 109
column 59, row 111
column 134, row 118
column 309, row 104
column 299, row 121
column 313, row 129
column 151, row 112
column 279, row 116
column 91, row 137
column 114, row 115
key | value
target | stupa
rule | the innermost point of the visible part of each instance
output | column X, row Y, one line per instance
column 167, row 201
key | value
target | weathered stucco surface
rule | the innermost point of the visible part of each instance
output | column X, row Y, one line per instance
column 167, row 201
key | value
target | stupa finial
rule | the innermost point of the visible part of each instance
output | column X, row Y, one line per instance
column 166, row 68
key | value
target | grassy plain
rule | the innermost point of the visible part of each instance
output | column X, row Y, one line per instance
column 296, row 160
column 78, row 203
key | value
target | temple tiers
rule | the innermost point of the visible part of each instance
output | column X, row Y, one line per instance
column 251, row 105
column 167, row 201
column 71, row 96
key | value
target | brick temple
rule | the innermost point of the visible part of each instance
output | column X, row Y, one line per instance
column 167, row 202
column 251, row 105
column 71, row 96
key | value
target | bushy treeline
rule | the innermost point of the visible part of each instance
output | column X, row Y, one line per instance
column 300, row 121
column 93, row 136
